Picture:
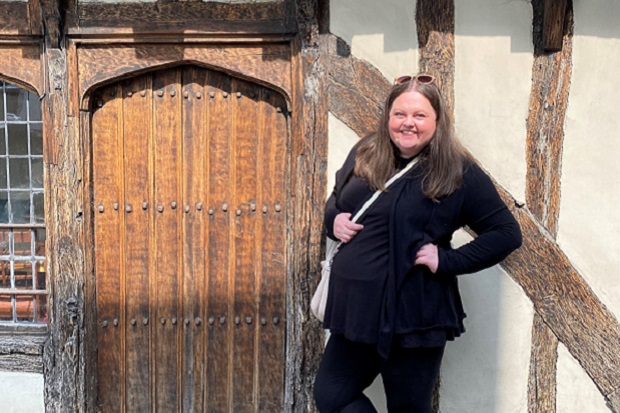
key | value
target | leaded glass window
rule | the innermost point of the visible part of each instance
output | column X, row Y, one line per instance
column 23, row 280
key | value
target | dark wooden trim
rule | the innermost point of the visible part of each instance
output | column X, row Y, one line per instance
column 179, row 17
column 553, row 24
column 551, row 74
column 543, row 369
column 435, row 26
column 14, row 19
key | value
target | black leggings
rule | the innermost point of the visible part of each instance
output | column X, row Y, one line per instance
column 349, row 367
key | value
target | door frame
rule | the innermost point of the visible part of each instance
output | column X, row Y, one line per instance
column 278, row 64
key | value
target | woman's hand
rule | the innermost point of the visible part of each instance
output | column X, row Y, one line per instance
column 428, row 255
column 344, row 229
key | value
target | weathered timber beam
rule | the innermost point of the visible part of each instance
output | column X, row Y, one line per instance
column 52, row 20
column 553, row 25
column 305, row 338
column 565, row 302
column 435, row 27
column 355, row 89
column 543, row 368
column 545, row 124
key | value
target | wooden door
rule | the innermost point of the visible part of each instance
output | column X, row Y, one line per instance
column 189, row 198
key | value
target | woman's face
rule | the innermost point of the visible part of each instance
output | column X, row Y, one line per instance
column 412, row 123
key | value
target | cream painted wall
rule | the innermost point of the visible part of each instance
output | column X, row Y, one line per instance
column 383, row 35
column 589, row 215
column 486, row 370
column 494, row 56
column 576, row 393
column 21, row 392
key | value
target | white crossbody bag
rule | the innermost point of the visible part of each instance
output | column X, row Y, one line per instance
column 319, row 299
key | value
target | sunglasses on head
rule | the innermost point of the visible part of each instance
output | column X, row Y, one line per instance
column 422, row 78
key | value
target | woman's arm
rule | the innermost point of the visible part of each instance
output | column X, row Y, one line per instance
column 498, row 233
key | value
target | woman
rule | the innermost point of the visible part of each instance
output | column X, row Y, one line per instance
column 393, row 297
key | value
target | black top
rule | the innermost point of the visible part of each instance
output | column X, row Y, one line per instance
column 376, row 294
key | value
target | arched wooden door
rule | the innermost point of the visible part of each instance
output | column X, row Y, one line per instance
column 189, row 194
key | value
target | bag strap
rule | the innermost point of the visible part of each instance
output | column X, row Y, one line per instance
column 377, row 193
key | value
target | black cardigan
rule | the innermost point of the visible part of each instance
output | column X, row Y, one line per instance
column 415, row 299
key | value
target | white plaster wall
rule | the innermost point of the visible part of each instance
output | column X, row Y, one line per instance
column 576, row 393
column 589, row 214
column 486, row 370
column 494, row 56
column 384, row 35
column 21, row 392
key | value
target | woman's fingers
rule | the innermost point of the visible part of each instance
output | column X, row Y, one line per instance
column 344, row 229
column 429, row 256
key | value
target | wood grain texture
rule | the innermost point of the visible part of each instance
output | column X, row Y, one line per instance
column 435, row 27
column 179, row 17
column 269, row 64
column 15, row 19
column 22, row 65
column 108, row 201
column 307, row 181
column 553, row 24
column 543, row 369
column 551, row 74
column 355, row 88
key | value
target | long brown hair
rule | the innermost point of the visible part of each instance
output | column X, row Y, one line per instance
column 443, row 159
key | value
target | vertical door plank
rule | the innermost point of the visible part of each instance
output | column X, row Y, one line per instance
column 193, row 110
column 218, row 136
column 107, row 226
column 272, row 288
column 166, row 132
column 243, row 274
column 136, row 138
